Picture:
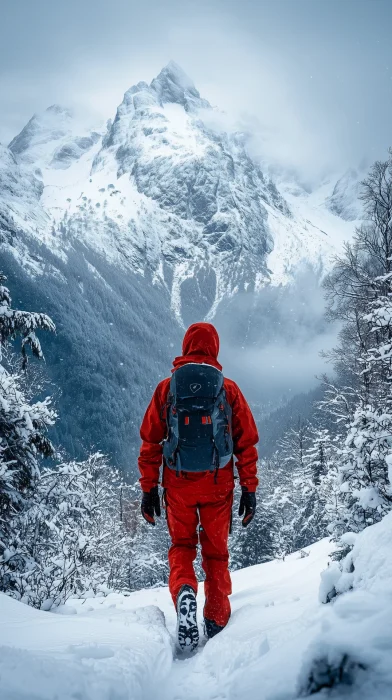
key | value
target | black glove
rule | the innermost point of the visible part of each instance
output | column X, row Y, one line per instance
column 151, row 504
column 247, row 506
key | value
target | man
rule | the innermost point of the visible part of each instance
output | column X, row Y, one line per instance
column 194, row 424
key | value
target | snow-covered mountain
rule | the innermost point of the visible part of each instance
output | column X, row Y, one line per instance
column 127, row 231
column 161, row 190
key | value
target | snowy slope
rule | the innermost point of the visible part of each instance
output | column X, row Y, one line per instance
column 313, row 236
column 119, row 648
column 162, row 192
column 20, row 193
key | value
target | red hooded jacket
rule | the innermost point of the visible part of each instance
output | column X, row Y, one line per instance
column 201, row 344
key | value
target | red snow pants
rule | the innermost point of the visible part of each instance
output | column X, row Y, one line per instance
column 199, row 509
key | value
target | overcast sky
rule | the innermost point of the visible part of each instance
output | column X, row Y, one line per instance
column 316, row 75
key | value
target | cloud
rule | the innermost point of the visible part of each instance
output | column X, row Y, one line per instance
column 281, row 369
column 276, row 353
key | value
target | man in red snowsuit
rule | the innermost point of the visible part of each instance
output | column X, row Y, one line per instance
column 201, row 498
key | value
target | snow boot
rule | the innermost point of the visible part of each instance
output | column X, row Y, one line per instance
column 211, row 628
column 187, row 629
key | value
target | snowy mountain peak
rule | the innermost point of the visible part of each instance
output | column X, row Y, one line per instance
column 173, row 85
column 51, row 125
column 53, row 138
column 59, row 109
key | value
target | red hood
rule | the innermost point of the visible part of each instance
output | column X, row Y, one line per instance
column 200, row 344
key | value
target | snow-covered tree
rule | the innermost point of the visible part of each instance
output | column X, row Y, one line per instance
column 310, row 493
column 364, row 477
column 317, row 456
column 293, row 445
column 359, row 293
column 296, row 496
column 303, row 466
column 254, row 544
column 80, row 534
column 42, row 563
column 14, row 323
column 23, row 423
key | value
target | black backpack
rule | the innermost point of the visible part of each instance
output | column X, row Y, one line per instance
column 198, row 419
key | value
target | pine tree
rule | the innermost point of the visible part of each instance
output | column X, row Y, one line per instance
column 23, row 424
column 359, row 294
column 293, row 445
column 305, row 464
column 254, row 544
column 363, row 474
column 310, row 523
column 14, row 323
column 318, row 455
column 292, row 494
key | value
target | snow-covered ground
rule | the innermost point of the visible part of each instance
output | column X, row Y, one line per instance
column 279, row 636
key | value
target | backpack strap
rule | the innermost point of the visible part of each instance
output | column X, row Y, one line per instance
column 221, row 426
column 165, row 408
column 170, row 444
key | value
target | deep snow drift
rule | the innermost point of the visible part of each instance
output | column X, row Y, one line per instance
column 280, row 642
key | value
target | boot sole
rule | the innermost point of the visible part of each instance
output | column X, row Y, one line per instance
column 187, row 632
